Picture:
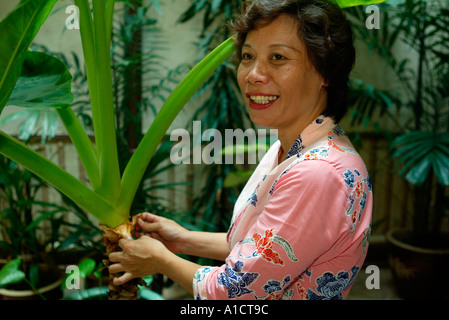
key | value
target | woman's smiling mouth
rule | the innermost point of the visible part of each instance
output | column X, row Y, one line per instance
column 261, row 101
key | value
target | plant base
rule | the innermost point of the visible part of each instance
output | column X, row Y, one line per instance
column 128, row 291
column 418, row 273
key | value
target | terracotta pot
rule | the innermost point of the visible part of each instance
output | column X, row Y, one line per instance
column 418, row 273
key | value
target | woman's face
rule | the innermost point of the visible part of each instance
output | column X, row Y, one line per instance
column 281, row 87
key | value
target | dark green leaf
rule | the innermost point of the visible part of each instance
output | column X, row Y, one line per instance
column 440, row 165
column 34, row 275
column 418, row 173
column 17, row 32
column 419, row 152
column 45, row 82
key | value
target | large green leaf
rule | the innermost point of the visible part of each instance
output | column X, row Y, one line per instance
column 45, row 82
column 17, row 32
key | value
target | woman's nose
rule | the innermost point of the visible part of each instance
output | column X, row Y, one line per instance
column 257, row 73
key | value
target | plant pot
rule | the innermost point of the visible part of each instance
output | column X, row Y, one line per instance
column 418, row 272
column 49, row 285
column 101, row 293
column 50, row 292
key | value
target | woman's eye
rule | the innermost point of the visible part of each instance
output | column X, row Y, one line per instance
column 246, row 56
column 278, row 57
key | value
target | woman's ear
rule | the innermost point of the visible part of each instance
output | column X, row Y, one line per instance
column 324, row 83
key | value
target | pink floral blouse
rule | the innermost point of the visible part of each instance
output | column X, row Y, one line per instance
column 300, row 229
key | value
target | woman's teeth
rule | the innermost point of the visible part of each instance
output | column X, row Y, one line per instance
column 263, row 99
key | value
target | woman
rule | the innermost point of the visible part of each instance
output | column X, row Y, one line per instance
column 301, row 225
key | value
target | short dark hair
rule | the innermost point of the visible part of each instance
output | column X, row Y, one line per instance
column 326, row 33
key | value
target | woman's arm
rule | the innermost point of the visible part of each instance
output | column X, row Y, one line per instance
column 207, row 245
column 180, row 240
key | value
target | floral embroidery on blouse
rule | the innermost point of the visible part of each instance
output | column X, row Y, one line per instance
column 358, row 196
column 296, row 148
column 236, row 281
column 264, row 247
column 253, row 199
column 275, row 289
column 331, row 286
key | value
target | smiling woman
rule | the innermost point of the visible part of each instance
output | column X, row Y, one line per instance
column 301, row 225
column 325, row 36
column 275, row 70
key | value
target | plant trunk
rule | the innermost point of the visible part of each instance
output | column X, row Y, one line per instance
column 130, row 290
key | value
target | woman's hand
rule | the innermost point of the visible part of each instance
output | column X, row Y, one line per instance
column 167, row 231
column 146, row 256
column 154, row 251
column 138, row 258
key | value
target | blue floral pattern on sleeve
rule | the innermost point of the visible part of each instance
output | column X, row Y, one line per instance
column 236, row 281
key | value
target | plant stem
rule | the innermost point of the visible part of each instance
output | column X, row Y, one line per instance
column 88, row 42
column 192, row 82
column 62, row 180
column 107, row 144
column 84, row 147
column 109, row 19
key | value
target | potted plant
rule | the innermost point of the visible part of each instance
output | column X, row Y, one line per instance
column 32, row 79
column 109, row 195
column 21, row 218
column 418, row 105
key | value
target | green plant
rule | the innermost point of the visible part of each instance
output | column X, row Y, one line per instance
column 222, row 109
column 10, row 273
column 110, row 194
column 417, row 104
column 134, row 34
column 106, row 199
column 139, row 82
column 21, row 223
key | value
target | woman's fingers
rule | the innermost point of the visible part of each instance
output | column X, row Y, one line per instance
column 123, row 279
column 115, row 256
column 149, row 217
column 115, row 268
column 148, row 226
